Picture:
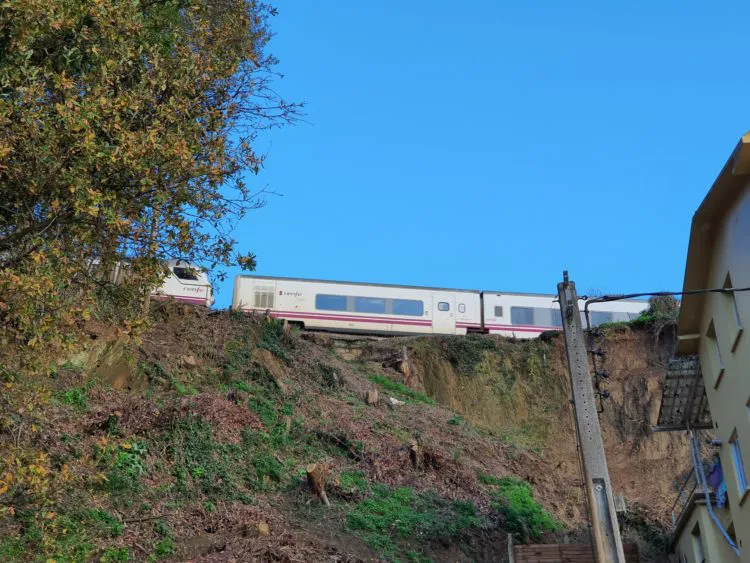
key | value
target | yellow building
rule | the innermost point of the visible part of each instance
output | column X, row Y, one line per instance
column 711, row 327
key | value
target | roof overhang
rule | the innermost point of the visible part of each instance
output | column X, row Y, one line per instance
column 706, row 224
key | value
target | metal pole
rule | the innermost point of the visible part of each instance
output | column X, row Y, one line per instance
column 605, row 528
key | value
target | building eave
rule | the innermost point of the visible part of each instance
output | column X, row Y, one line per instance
column 705, row 225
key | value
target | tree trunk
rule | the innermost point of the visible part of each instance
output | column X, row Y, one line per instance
column 151, row 252
column 316, row 477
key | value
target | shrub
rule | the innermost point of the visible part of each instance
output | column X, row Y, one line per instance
column 465, row 352
column 273, row 338
column 662, row 310
column 127, row 464
column 76, row 397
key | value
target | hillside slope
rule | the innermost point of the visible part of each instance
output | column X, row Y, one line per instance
column 194, row 444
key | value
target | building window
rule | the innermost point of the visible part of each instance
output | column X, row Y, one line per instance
column 522, row 316
column 732, row 533
column 717, row 360
column 330, row 302
column 698, row 551
column 600, row 317
column 498, row 310
column 369, row 305
column 731, row 302
column 461, row 308
column 443, row 306
column 739, row 465
column 264, row 297
column 408, row 307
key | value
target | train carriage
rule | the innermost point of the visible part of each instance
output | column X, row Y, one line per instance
column 360, row 307
column 393, row 309
column 526, row 315
column 186, row 283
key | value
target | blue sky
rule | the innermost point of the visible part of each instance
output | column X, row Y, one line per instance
column 492, row 145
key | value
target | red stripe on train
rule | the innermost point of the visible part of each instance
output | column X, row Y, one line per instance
column 342, row 318
column 516, row 328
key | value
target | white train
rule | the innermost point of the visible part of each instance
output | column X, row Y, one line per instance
column 186, row 283
column 350, row 307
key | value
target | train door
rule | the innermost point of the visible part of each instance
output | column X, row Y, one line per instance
column 443, row 313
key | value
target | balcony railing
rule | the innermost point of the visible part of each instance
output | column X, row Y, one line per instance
column 684, row 496
column 691, row 490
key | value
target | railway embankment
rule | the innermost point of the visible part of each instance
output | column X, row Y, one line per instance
column 214, row 437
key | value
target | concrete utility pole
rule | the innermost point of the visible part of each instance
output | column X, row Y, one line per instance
column 605, row 528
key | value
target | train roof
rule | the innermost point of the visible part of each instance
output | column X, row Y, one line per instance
column 360, row 283
column 644, row 301
column 412, row 286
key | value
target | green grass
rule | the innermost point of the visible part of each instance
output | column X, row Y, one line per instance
column 115, row 555
column 105, row 523
column 353, row 481
column 397, row 521
column 401, row 389
column 524, row 517
column 123, row 465
column 76, row 397
column 128, row 468
column 67, row 540
column 183, row 389
column 163, row 548
column 153, row 371
column 64, row 537
column 204, row 466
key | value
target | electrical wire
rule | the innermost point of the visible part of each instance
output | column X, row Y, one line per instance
column 693, row 446
column 620, row 297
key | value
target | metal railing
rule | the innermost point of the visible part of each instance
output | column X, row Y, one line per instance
column 686, row 492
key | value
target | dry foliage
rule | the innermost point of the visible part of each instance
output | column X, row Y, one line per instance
column 126, row 129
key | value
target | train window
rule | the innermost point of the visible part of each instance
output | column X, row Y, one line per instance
column 330, row 302
column 185, row 273
column 522, row 316
column 498, row 310
column 443, row 306
column 408, row 307
column 600, row 317
column 264, row 297
column 369, row 305
column 461, row 308
column 556, row 318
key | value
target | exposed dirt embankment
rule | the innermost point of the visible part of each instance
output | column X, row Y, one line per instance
column 194, row 444
column 521, row 391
